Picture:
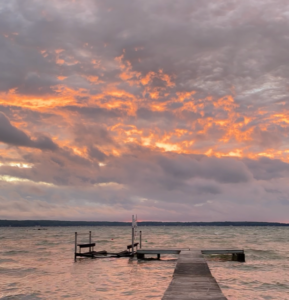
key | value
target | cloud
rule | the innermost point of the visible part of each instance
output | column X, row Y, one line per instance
column 11, row 135
column 225, row 170
column 177, row 109
column 266, row 169
column 96, row 153
column 186, row 187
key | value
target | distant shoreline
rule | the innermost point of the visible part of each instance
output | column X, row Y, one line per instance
column 52, row 223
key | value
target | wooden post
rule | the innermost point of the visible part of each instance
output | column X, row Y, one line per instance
column 89, row 240
column 140, row 239
column 75, row 246
column 132, row 234
column 132, row 240
column 241, row 257
column 159, row 256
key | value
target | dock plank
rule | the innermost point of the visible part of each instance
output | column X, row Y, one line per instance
column 221, row 251
column 192, row 279
column 160, row 251
column 178, row 250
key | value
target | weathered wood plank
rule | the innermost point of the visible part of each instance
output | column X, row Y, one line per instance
column 192, row 279
column 220, row 251
column 159, row 251
column 177, row 251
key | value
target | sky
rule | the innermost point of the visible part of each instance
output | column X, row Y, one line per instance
column 172, row 110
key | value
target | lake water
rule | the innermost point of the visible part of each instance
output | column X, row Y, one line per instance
column 39, row 264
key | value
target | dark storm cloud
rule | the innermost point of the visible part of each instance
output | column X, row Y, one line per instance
column 11, row 135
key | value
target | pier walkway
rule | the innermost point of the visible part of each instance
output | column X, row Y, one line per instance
column 192, row 279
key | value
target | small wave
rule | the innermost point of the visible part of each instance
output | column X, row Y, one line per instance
column 13, row 252
column 103, row 241
column 261, row 251
column 260, row 254
column 46, row 243
column 17, row 272
column 21, row 297
column 276, row 285
column 4, row 260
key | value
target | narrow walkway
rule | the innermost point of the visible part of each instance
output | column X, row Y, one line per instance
column 192, row 279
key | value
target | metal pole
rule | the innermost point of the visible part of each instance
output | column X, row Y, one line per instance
column 140, row 239
column 89, row 240
column 75, row 246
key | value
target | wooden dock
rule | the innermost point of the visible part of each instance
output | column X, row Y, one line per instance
column 238, row 255
column 192, row 279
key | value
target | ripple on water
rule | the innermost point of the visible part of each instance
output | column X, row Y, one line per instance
column 15, row 252
column 17, row 272
column 47, row 257
column 22, row 297
column 6, row 260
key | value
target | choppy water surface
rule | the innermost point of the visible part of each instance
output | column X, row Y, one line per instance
column 38, row 264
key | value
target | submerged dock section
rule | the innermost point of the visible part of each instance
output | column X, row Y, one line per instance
column 192, row 279
column 88, row 248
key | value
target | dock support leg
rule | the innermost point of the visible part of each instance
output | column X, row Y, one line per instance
column 159, row 256
column 132, row 235
column 238, row 257
column 140, row 239
column 75, row 246
column 140, row 256
column 241, row 257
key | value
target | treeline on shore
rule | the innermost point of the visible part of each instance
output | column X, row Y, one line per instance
column 52, row 223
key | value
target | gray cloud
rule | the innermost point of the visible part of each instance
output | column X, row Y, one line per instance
column 11, row 135
column 267, row 169
column 94, row 152
column 95, row 73
column 179, row 39
column 96, row 113
column 191, row 186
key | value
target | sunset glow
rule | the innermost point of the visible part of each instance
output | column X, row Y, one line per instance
column 172, row 111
